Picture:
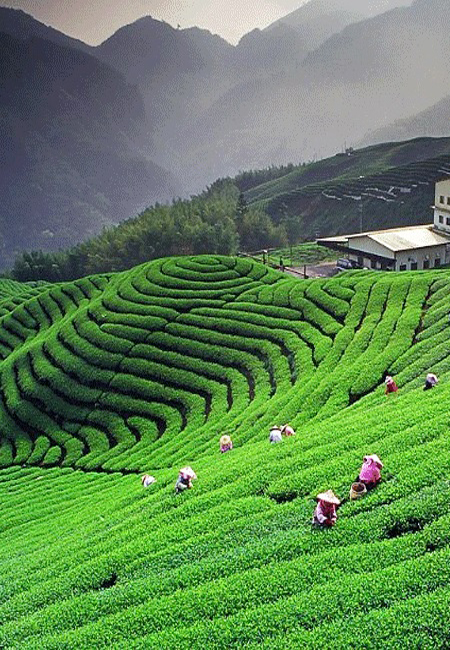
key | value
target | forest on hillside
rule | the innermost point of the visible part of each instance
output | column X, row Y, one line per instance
column 382, row 186
column 218, row 220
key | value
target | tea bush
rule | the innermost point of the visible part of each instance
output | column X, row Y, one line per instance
column 112, row 376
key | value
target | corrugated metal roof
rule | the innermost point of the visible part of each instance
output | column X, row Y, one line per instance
column 409, row 238
column 396, row 239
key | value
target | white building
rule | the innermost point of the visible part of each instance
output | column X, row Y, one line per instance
column 401, row 249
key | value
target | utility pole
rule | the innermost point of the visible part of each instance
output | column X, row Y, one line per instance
column 361, row 215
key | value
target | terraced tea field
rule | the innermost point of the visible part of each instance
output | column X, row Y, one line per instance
column 109, row 377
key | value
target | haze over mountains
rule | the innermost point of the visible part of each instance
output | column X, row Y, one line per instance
column 95, row 134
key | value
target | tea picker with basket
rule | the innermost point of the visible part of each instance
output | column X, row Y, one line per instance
column 147, row 480
column 368, row 477
column 430, row 381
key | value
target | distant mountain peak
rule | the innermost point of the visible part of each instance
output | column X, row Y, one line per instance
column 20, row 25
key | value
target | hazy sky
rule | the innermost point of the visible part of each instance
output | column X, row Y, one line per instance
column 94, row 20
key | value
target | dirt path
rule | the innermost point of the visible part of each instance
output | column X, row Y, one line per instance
column 324, row 270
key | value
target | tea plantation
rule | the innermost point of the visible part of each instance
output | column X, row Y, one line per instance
column 108, row 377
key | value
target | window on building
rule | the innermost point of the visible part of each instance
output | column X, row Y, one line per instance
column 441, row 199
column 437, row 262
column 360, row 261
column 441, row 219
column 373, row 264
column 447, row 221
column 413, row 266
column 426, row 264
column 448, row 200
column 402, row 267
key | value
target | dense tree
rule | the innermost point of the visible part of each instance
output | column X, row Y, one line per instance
column 216, row 221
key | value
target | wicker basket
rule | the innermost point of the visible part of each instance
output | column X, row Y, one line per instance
column 357, row 490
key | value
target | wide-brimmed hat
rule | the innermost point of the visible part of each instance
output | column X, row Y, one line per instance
column 388, row 379
column 329, row 497
column 148, row 479
column 225, row 440
column 188, row 472
column 375, row 459
column 275, row 428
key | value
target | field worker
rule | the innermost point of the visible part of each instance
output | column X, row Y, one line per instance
column 391, row 386
column 184, row 480
column 370, row 473
column 287, row 430
column 225, row 444
column 430, row 381
column 325, row 512
column 275, row 434
column 147, row 480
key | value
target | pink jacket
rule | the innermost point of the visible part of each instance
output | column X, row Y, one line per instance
column 325, row 513
column 370, row 472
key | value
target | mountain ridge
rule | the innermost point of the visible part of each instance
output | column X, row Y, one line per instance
column 73, row 127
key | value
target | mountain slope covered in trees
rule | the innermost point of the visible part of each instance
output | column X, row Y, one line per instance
column 381, row 186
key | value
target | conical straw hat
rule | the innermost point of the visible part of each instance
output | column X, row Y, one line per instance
column 225, row 440
column 329, row 497
column 188, row 472
column 375, row 459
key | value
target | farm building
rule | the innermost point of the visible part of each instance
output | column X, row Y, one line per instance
column 401, row 249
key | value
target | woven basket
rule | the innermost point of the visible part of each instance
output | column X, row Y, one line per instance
column 357, row 490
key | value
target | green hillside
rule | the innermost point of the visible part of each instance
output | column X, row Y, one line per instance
column 112, row 376
column 393, row 181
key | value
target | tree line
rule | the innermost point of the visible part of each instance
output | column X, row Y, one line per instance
column 216, row 221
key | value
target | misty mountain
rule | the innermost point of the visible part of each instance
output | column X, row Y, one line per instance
column 176, row 70
column 372, row 73
column 22, row 26
column 317, row 20
column 268, row 50
column 433, row 121
column 73, row 136
column 85, row 128
column 183, row 73
column 149, row 47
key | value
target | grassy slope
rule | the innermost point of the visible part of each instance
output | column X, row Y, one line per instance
column 144, row 370
column 396, row 181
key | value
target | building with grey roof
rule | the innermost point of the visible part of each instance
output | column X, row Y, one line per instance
column 401, row 249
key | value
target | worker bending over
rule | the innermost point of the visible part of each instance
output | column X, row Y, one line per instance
column 184, row 480
column 325, row 513
column 287, row 430
column 430, row 381
column 147, row 480
column 226, row 444
column 275, row 434
column 370, row 473
column 391, row 386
